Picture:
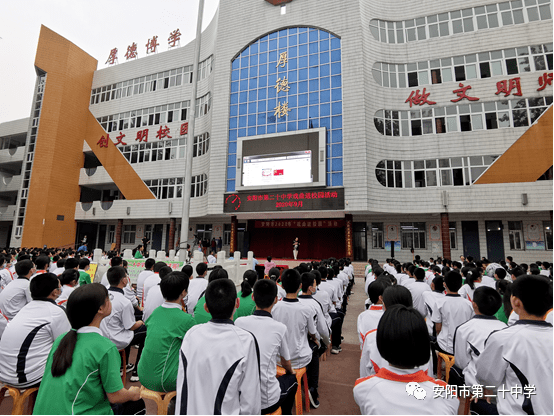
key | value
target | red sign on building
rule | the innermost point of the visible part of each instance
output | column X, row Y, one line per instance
column 278, row 2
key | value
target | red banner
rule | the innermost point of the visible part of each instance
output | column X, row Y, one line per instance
column 300, row 224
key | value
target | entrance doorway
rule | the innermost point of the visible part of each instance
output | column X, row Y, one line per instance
column 89, row 229
column 360, row 241
column 157, row 237
column 470, row 236
column 495, row 240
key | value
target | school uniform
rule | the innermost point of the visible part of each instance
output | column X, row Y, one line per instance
column 519, row 355
column 401, row 278
column 149, row 283
column 27, row 340
column 117, row 326
column 429, row 276
column 200, row 314
column 325, row 301
column 83, row 387
column 271, row 336
column 337, row 283
column 385, row 393
column 14, row 297
column 197, row 286
column 431, row 300
column 323, row 331
column 453, row 312
column 332, row 290
column 166, row 328
column 246, row 306
column 368, row 321
column 104, row 280
column 3, row 323
column 513, row 318
column 155, row 299
column 389, row 269
column 488, row 281
column 217, row 377
column 52, row 267
column 6, row 278
column 545, row 272
column 281, row 293
column 58, row 270
column 467, row 292
column 66, row 291
column 84, row 278
column 417, row 288
column 140, row 281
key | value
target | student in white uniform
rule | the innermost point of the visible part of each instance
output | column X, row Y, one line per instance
column 452, row 312
column 143, row 275
column 42, row 263
column 275, row 274
column 215, row 376
column 473, row 281
column 417, row 287
column 271, row 337
column 432, row 299
column 60, row 267
column 152, row 280
column 69, row 280
column 29, row 337
column 197, row 286
column 369, row 319
column 121, row 326
column 371, row 360
column 323, row 298
column 155, row 296
column 402, row 329
column 469, row 337
column 6, row 276
column 324, row 292
column 16, row 295
column 301, row 331
column 521, row 355
column 329, row 287
column 545, row 270
column 309, row 287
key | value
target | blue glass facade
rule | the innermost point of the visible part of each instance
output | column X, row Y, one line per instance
column 313, row 92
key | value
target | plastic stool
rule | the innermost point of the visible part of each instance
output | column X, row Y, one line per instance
column 19, row 398
column 449, row 362
column 301, row 376
column 277, row 412
column 123, row 355
column 162, row 399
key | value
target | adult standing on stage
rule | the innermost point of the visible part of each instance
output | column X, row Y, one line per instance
column 295, row 245
column 145, row 241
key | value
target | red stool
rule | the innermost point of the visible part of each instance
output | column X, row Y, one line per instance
column 301, row 376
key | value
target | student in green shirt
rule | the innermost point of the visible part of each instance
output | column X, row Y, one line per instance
column 247, row 304
column 84, row 277
column 166, row 328
column 138, row 252
column 82, row 371
column 201, row 314
column 504, row 287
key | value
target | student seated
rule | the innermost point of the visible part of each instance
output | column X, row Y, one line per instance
column 402, row 329
column 275, row 275
column 152, row 280
column 432, row 300
column 16, row 294
column 82, row 371
column 270, row 334
column 143, row 275
column 120, row 326
column 247, row 304
column 28, row 338
column 472, row 282
column 201, row 316
column 219, row 354
column 301, row 331
column 521, row 355
column 68, row 279
column 309, row 287
column 155, row 297
column 369, row 319
column 325, row 294
column 470, row 337
column 84, row 277
column 197, row 286
column 417, row 287
column 166, row 328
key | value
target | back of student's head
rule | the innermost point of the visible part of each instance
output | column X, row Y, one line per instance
column 291, row 280
column 43, row 284
column 83, row 263
column 534, row 269
column 438, row 282
column 218, row 273
column 308, row 280
column 545, row 265
column 269, row 258
column 71, row 263
column 317, row 276
column 116, row 261
column 265, row 292
column 274, row 273
column 535, row 294
column 487, row 300
column 323, row 272
column 504, row 289
column 248, row 280
column 200, row 269
column 419, row 273
column 173, row 284
column 158, row 266
column 221, row 296
column 149, row 263
column 41, row 262
column 471, row 275
column 330, row 273
column 517, row 272
column 453, row 281
column 376, row 289
column 164, row 271
column 23, row 267
column 115, row 274
column 403, row 329
column 500, row 272
column 397, row 295
column 81, row 308
column 68, row 276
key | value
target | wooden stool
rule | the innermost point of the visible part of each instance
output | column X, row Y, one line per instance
column 123, row 355
column 467, row 403
column 162, row 399
column 277, row 412
column 19, row 398
column 300, row 376
column 449, row 362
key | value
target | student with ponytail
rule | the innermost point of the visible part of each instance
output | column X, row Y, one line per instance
column 82, row 372
column 473, row 281
column 247, row 304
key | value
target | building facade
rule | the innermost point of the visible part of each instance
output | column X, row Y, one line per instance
column 361, row 127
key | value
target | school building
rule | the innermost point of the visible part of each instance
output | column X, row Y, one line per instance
column 360, row 127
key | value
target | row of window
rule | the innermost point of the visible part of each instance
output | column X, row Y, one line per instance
column 415, row 233
column 454, row 171
column 173, row 187
column 460, row 68
column 465, row 117
column 461, row 21
column 165, row 150
column 153, row 82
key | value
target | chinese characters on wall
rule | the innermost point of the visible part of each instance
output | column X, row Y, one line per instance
column 142, row 135
column 282, row 85
column 173, row 40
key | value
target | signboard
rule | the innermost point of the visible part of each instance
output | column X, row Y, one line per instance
column 326, row 199
column 392, row 232
column 136, row 266
column 300, row 224
column 396, row 246
column 92, row 271
column 534, row 245
column 434, row 232
column 278, row 2
column 534, row 232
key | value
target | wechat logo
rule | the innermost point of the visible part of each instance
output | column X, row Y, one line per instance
column 414, row 389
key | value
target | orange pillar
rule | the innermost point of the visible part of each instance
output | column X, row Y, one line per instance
column 118, row 232
column 171, row 241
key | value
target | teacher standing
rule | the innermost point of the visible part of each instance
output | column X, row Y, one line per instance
column 295, row 245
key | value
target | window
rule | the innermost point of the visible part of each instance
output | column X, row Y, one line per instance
column 453, row 235
column 377, row 235
column 129, row 234
column 203, row 105
column 199, row 185
column 205, row 68
column 111, row 234
column 547, row 226
column 226, row 234
column 148, row 231
column 515, row 231
column 166, row 188
column 201, row 144
column 204, row 231
column 155, row 151
column 413, row 235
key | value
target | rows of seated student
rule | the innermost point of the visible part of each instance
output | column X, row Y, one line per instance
column 461, row 325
